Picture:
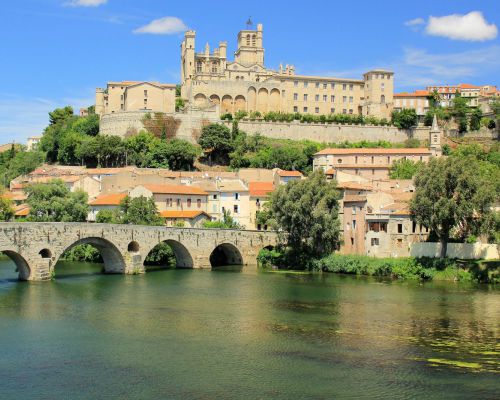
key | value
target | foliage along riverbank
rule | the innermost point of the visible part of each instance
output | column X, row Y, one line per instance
column 396, row 268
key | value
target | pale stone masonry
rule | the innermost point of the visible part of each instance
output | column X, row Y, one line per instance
column 36, row 247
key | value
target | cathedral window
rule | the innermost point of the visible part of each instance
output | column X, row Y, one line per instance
column 214, row 68
column 199, row 66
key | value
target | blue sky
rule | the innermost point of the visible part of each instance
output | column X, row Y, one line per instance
column 56, row 52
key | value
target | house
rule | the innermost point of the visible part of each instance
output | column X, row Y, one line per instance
column 234, row 198
column 104, row 202
column 282, row 177
column 259, row 193
column 173, row 197
column 186, row 219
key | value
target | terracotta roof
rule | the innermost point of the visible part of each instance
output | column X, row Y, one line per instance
column 354, row 186
column 282, row 172
column 419, row 150
column 175, row 189
column 398, row 208
column 14, row 196
column 112, row 199
column 330, row 171
column 352, row 197
column 182, row 214
column 260, row 188
column 22, row 210
column 468, row 86
column 416, row 93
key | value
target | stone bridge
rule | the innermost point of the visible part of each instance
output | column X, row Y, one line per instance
column 36, row 247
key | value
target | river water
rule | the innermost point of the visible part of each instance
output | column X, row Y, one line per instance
column 190, row 334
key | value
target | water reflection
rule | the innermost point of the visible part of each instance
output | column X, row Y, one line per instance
column 203, row 334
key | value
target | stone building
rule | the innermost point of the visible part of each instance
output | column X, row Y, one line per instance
column 418, row 100
column 245, row 84
column 173, row 197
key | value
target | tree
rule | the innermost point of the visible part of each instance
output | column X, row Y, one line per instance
column 227, row 222
column 306, row 215
column 452, row 199
column 405, row 119
column 161, row 125
column 495, row 107
column 60, row 115
column 475, row 119
column 54, row 202
column 138, row 148
column 404, row 169
column 23, row 163
column 459, row 110
column 108, row 217
column 139, row 211
column 216, row 139
column 175, row 154
column 6, row 209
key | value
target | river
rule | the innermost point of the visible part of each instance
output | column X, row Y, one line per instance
column 190, row 334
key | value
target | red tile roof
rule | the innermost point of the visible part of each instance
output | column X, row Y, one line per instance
column 282, row 172
column 22, row 210
column 175, row 189
column 260, row 188
column 182, row 214
column 416, row 93
column 361, row 151
column 112, row 199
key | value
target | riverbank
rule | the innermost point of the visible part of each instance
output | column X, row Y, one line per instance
column 397, row 268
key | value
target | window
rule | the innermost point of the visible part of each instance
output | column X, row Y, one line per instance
column 356, row 159
column 317, row 85
column 344, row 86
column 352, row 241
column 199, row 66
column 305, row 97
column 400, row 228
column 344, row 99
column 198, row 203
column 382, row 86
column 332, row 85
column 248, row 40
column 316, row 110
column 305, row 84
column 295, row 109
column 325, row 85
column 122, row 107
column 351, row 87
column 178, row 202
column 332, row 110
column 400, row 242
column 305, row 109
column 373, row 160
column 353, row 210
column 214, row 68
column 353, row 224
column 145, row 102
column 339, row 161
column 351, row 99
column 316, row 98
column 375, row 242
column 145, row 93
column 295, row 96
column 351, row 111
column 344, row 111
column 236, row 196
column 189, row 202
column 235, row 208
column 121, row 97
column 373, row 171
column 325, row 98
column 214, row 197
column 296, row 83
column 253, row 40
column 388, row 159
column 382, row 99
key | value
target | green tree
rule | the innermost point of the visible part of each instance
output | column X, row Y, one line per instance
column 405, row 119
column 139, row 211
column 175, row 154
column 306, row 214
column 452, row 199
column 475, row 119
column 108, row 217
column 459, row 111
column 227, row 222
column 138, row 148
column 54, row 202
column 216, row 139
column 404, row 169
column 60, row 115
column 6, row 209
column 23, row 163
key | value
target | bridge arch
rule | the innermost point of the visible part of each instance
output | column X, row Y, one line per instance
column 225, row 254
column 22, row 266
column 111, row 256
column 183, row 258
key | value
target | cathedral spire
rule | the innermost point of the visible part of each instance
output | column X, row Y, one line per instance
column 249, row 23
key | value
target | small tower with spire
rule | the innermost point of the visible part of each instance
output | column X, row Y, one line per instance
column 435, row 138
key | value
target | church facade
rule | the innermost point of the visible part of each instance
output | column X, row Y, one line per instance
column 245, row 84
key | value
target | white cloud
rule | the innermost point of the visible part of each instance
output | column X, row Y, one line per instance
column 415, row 21
column 163, row 26
column 470, row 27
column 86, row 3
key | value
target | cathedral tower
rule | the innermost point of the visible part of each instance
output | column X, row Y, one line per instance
column 250, row 50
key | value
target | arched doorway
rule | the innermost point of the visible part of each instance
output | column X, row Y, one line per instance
column 263, row 100
column 240, row 103
column 21, row 266
column 227, row 104
column 168, row 254
column 225, row 254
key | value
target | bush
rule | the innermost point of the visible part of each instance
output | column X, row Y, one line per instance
column 83, row 253
column 268, row 258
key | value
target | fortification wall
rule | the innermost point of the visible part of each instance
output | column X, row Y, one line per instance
column 119, row 124
column 330, row 133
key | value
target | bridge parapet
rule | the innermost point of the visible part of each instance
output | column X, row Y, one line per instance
column 36, row 247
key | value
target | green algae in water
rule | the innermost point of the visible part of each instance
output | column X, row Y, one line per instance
column 454, row 363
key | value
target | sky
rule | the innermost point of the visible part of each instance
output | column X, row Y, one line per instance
column 56, row 52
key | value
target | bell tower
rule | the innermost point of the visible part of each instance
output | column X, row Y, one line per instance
column 250, row 50
column 435, row 138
